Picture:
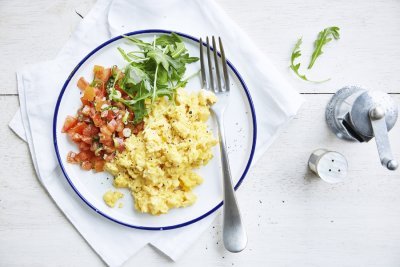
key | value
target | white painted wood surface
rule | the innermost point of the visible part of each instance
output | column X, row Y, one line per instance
column 293, row 218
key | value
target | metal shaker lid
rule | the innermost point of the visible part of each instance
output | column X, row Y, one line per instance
column 330, row 166
column 359, row 114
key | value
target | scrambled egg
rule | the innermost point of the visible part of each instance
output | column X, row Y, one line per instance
column 157, row 164
column 111, row 198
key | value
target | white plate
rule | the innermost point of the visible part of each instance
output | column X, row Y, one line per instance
column 240, row 132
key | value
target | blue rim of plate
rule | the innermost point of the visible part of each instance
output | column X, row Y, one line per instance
column 253, row 115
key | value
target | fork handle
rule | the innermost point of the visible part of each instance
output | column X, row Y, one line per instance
column 234, row 234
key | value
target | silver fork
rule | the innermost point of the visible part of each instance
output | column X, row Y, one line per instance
column 234, row 234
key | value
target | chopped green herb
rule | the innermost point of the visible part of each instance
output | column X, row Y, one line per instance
column 125, row 117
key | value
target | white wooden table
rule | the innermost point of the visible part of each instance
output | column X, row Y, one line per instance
column 292, row 218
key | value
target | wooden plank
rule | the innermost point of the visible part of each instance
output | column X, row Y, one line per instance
column 367, row 53
column 292, row 217
column 33, row 231
column 296, row 219
column 34, row 31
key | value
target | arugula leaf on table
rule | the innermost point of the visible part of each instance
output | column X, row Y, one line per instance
column 296, row 53
column 323, row 39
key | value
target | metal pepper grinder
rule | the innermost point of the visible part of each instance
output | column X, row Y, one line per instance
column 356, row 114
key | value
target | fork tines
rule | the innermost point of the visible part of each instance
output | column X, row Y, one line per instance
column 217, row 62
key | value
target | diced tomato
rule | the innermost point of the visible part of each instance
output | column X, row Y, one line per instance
column 86, row 119
column 110, row 115
column 118, row 88
column 71, row 157
column 102, row 88
column 69, row 123
column 109, row 157
column 94, row 146
column 86, row 110
column 138, row 127
column 120, row 105
column 87, row 139
column 97, row 69
column 85, row 101
column 104, row 129
column 109, row 149
column 120, row 126
column 99, row 103
column 82, row 83
column 89, row 93
column 90, row 130
column 87, row 165
column 102, row 74
column 119, row 144
column 131, row 116
column 84, row 156
column 107, row 142
column 100, row 91
column 87, row 131
column 92, row 111
column 84, row 146
column 97, row 120
column 106, row 74
column 95, row 130
column 76, row 137
column 104, row 113
column 99, row 165
column 78, row 128
column 112, row 125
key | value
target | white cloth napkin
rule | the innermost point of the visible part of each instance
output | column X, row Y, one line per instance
column 39, row 85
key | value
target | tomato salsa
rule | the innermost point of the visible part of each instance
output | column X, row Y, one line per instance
column 101, row 125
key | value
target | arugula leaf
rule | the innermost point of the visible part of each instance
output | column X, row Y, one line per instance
column 159, row 57
column 123, row 54
column 138, row 42
column 296, row 53
column 323, row 39
column 165, row 40
column 162, row 77
column 180, row 48
column 186, row 59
